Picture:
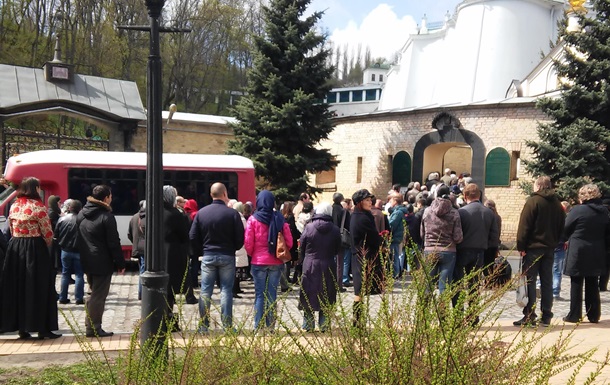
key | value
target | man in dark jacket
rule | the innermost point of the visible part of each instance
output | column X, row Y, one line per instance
column 136, row 235
column 345, row 253
column 100, row 249
column 479, row 227
column 66, row 233
column 540, row 226
column 218, row 232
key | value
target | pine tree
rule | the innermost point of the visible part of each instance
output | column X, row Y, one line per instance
column 282, row 118
column 574, row 148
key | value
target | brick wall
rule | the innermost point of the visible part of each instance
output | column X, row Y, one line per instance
column 189, row 138
column 376, row 137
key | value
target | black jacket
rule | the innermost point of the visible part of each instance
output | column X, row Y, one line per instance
column 541, row 222
column 99, row 243
column 66, row 233
column 337, row 215
column 176, row 245
column 217, row 229
column 588, row 229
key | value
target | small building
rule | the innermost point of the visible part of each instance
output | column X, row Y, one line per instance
column 360, row 99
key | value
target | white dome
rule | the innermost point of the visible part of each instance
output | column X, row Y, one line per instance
column 474, row 58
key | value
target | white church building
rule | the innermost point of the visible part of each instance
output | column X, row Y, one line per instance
column 462, row 96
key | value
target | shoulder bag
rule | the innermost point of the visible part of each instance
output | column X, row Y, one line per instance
column 346, row 237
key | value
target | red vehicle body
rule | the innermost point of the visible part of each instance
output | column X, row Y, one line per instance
column 73, row 174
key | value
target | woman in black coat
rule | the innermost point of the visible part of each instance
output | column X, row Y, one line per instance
column 366, row 266
column 588, row 231
column 320, row 242
column 176, row 242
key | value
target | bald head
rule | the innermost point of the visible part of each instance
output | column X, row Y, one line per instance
column 219, row 191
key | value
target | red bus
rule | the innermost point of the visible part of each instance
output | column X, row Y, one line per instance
column 73, row 174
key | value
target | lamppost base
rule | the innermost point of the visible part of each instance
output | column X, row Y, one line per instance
column 154, row 309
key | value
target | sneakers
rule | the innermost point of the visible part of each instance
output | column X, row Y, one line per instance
column 80, row 301
column 525, row 321
column 64, row 301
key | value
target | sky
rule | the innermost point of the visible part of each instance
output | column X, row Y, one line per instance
column 382, row 25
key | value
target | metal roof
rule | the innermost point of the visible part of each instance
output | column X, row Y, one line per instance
column 26, row 88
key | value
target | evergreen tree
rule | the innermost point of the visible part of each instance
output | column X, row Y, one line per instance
column 282, row 118
column 574, row 148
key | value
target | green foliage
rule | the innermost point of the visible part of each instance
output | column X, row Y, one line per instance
column 574, row 148
column 199, row 67
column 282, row 118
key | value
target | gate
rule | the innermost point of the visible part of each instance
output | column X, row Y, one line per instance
column 18, row 141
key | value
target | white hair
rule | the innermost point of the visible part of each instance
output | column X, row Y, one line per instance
column 324, row 208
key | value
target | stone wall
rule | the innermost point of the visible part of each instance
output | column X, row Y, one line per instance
column 376, row 138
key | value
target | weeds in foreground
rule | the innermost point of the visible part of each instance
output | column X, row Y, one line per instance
column 408, row 336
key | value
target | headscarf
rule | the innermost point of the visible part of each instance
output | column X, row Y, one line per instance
column 169, row 196
column 265, row 203
column 190, row 207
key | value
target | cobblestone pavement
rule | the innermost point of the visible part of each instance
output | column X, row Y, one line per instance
column 123, row 308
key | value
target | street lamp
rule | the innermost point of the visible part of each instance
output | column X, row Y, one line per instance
column 155, row 279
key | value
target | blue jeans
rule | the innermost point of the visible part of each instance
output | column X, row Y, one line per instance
column 558, row 259
column 217, row 267
column 309, row 323
column 142, row 270
column 398, row 256
column 70, row 262
column 266, row 280
column 347, row 264
column 442, row 270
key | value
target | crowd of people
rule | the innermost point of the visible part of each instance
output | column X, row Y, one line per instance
column 444, row 226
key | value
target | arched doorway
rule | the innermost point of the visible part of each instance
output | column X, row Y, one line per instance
column 453, row 155
column 442, row 140
column 401, row 168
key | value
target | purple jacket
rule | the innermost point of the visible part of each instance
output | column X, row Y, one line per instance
column 441, row 228
column 320, row 242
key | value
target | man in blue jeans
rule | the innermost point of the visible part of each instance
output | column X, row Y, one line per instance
column 217, row 230
column 66, row 233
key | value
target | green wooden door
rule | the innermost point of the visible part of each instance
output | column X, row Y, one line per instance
column 401, row 168
column 497, row 168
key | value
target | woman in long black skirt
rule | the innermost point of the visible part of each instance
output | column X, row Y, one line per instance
column 28, row 298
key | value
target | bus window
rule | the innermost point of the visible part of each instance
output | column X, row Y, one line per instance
column 129, row 186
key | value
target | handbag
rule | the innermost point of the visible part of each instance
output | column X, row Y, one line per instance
column 522, row 297
column 346, row 237
column 282, row 252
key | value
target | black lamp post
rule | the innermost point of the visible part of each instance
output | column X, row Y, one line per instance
column 155, row 278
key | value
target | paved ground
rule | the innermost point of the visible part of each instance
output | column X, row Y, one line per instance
column 123, row 312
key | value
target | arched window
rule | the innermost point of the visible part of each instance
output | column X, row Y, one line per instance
column 401, row 168
column 497, row 168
